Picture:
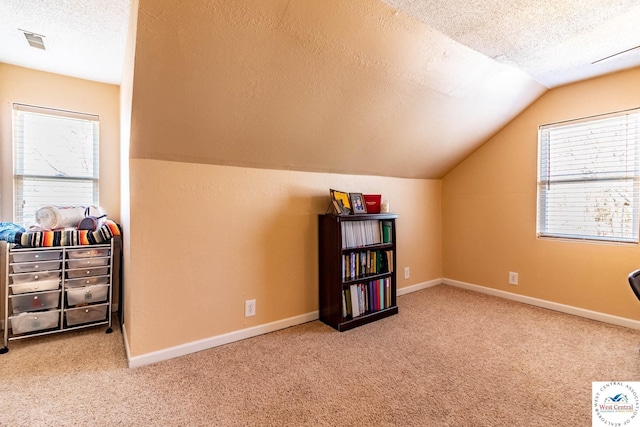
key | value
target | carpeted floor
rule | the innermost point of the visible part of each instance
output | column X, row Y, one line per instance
column 450, row 358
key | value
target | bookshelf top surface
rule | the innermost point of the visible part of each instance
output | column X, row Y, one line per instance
column 362, row 217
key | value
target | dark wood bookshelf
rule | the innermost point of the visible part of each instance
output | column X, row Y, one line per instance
column 333, row 283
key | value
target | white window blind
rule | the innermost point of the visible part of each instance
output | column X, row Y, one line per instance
column 55, row 160
column 588, row 178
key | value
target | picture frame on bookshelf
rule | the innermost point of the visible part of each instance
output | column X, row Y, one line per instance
column 357, row 203
column 338, row 207
column 340, row 201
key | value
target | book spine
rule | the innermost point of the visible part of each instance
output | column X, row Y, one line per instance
column 344, row 304
column 386, row 232
column 355, row 312
column 387, row 284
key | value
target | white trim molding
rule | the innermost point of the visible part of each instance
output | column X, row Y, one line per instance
column 204, row 344
column 418, row 287
column 207, row 343
column 568, row 309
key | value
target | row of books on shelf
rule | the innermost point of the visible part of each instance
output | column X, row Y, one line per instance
column 356, row 265
column 356, row 234
column 363, row 298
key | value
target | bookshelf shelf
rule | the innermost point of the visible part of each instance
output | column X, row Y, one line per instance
column 357, row 269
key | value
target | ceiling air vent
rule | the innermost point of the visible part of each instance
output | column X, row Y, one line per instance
column 35, row 40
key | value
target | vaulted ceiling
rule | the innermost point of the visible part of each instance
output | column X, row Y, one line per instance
column 555, row 42
column 404, row 88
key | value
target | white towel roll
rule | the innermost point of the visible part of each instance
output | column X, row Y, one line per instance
column 53, row 217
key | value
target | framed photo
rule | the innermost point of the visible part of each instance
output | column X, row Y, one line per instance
column 357, row 203
column 340, row 201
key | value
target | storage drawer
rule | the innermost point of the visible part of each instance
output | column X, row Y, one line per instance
column 86, row 281
column 35, row 256
column 86, row 272
column 87, row 253
column 94, row 313
column 35, row 301
column 34, row 277
column 87, row 294
column 28, row 267
column 87, row 262
column 31, row 322
column 35, row 286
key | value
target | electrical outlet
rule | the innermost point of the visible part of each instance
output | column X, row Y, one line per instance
column 249, row 308
column 513, row 278
column 407, row 273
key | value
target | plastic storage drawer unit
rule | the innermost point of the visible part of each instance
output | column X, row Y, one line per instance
column 47, row 290
column 87, row 253
column 87, row 294
column 36, row 256
column 35, row 286
column 31, row 322
column 27, row 267
column 94, row 313
column 87, row 262
column 86, row 281
column 33, row 277
column 86, row 272
column 33, row 302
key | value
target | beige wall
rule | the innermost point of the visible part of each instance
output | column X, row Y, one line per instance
column 335, row 86
column 206, row 238
column 42, row 89
column 489, row 212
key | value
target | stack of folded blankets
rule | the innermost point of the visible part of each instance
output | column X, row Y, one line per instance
column 57, row 226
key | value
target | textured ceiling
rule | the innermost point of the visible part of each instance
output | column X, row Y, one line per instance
column 83, row 38
column 554, row 41
column 402, row 88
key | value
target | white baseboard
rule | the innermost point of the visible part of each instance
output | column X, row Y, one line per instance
column 195, row 346
column 418, row 287
column 568, row 309
column 192, row 347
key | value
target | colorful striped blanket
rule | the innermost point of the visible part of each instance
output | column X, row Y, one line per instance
column 69, row 237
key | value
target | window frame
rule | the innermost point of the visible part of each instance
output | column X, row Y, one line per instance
column 20, row 177
column 588, row 181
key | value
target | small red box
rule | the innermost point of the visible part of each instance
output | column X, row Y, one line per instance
column 372, row 202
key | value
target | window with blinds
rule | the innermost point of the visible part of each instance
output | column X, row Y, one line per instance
column 588, row 178
column 55, row 160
